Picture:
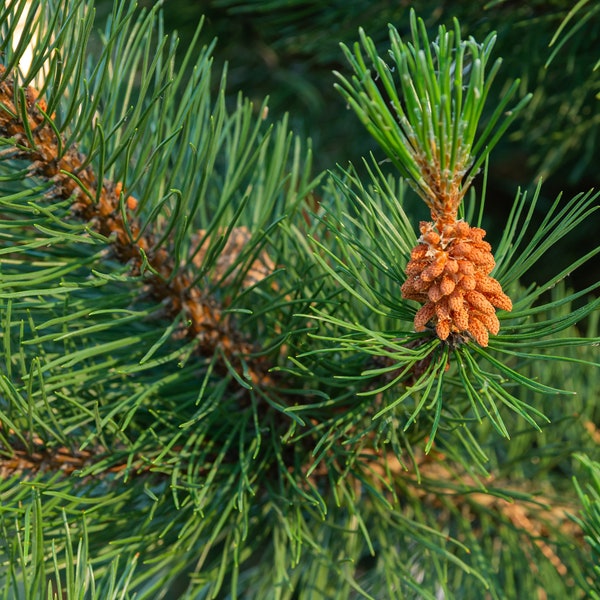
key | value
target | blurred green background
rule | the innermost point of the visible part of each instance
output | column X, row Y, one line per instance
column 288, row 50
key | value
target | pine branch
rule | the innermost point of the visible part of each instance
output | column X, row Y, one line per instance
column 589, row 521
column 439, row 484
column 297, row 434
column 104, row 206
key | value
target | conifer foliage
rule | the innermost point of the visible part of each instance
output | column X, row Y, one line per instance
column 223, row 376
column 430, row 135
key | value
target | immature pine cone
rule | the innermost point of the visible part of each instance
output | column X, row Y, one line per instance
column 448, row 272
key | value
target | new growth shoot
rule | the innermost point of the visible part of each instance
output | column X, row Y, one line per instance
column 423, row 107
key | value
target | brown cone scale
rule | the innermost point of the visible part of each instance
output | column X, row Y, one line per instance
column 449, row 273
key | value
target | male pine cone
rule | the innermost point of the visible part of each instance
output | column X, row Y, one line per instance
column 448, row 272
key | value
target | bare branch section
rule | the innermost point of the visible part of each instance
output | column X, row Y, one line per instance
column 99, row 203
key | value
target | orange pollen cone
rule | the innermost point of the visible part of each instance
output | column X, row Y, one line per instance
column 449, row 273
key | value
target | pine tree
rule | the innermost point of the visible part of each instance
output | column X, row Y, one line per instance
column 227, row 376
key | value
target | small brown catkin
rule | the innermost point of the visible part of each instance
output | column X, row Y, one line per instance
column 449, row 273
